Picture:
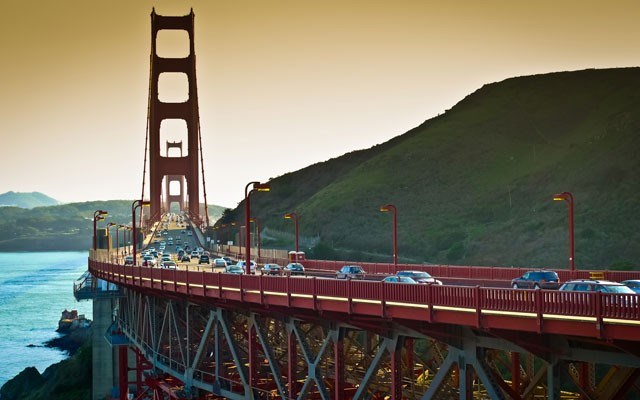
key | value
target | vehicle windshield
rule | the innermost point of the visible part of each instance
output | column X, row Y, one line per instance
column 617, row 289
column 419, row 275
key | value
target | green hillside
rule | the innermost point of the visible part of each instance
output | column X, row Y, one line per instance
column 26, row 200
column 474, row 186
column 62, row 227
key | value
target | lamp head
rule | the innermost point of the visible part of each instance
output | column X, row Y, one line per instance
column 262, row 187
column 560, row 196
column 290, row 216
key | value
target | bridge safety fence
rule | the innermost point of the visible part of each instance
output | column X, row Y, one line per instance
column 380, row 299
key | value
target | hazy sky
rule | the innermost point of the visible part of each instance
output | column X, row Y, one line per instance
column 291, row 82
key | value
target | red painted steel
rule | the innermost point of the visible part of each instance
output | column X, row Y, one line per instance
column 519, row 310
column 464, row 272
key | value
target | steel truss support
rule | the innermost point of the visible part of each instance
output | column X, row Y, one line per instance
column 242, row 354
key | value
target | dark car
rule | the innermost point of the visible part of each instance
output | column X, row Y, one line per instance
column 271, row 269
column 185, row 258
column 539, row 279
column 350, row 272
column 399, row 279
column 420, row 277
column 204, row 259
column 235, row 269
column 294, row 269
column 632, row 284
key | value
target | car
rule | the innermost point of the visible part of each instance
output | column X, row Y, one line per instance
column 399, row 279
column 195, row 254
column 220, row 262
column 188, row 233
column 170, row 242
column 350, row 272
column 234, row 269
column 538, row 279
column 185, row 258
column 165, row 258
column 149, row 261
column 420, row 277
column 633, row 284
column 180, row 253
column 588, row 285
column 128, row 260
column 271, row 269
column 204, row 259
column 168, row 265
column 252, row 267
column 228, row 260
column 294, row 269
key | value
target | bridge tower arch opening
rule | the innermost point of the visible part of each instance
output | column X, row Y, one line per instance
column 185, row 168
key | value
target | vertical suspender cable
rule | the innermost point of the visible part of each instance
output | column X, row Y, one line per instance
column 146, row 139
column 204, row 183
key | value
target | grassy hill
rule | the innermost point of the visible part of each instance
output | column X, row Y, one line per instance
column 474, row 186
column 26, row 200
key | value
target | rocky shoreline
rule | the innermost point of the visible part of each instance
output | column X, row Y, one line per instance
column 69, row 379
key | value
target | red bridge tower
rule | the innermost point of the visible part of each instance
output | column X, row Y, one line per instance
column 173, row 168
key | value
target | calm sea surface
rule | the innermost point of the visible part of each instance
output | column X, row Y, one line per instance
column 34, row 289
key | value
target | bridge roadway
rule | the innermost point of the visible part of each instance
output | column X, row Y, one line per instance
column 261, row 309
column 592, row 327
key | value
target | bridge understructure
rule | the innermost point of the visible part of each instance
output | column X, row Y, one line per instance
column 231, row 336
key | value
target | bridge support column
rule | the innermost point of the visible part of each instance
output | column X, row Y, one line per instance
column 102, row 357
column 553, row 380
column 123, row 372
column 338, row 355
column 515, row 372
column 396, row 368
column 253, row 355
column 292, row 361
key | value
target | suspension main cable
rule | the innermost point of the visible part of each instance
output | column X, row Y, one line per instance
column 146, row 139
column 204, row 183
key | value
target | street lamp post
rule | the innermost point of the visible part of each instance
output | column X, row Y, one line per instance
column 257, row 187
column 568, row 197
column 109, row 225
column 134, row 205
column 394, row 213
column 118, row 242
column 257, row 221
column 295, row 218
column 97, row 216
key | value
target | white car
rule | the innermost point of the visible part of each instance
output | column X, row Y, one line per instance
column 220, row 262
column 242, row 264
column 168, row 265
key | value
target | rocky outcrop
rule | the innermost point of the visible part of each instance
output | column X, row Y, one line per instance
column 27, row 380
column 69, row 379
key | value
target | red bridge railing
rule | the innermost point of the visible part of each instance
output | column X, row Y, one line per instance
column 600, row 315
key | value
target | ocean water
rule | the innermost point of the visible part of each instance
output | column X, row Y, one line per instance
column 34, row 290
